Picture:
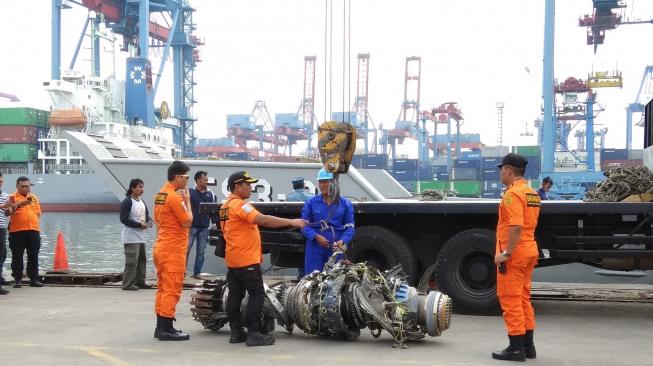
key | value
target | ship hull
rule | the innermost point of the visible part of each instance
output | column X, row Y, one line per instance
column 68, row 192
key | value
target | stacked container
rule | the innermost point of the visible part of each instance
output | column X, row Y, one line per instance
column 19, row 132
column 375, row 161
column 532, row 155
column 618, row 158
column 406, row 172
column 491, row 186
column 466, row 174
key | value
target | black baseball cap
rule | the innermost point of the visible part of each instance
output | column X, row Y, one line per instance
column 238, row 177
column 513, row 159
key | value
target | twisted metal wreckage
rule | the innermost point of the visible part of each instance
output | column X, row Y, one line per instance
column 338, row 302
column 621, row 183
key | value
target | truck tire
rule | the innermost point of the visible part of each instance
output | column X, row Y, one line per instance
column 383, row 249
column 465, row 271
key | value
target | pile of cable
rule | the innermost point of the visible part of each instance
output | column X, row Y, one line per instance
column 620, row 183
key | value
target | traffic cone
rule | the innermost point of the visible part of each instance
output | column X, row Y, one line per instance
column 60, row 257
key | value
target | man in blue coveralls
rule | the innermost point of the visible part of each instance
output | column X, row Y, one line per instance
column 329, row 228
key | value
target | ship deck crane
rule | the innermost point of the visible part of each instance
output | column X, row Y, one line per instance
column 124, row 17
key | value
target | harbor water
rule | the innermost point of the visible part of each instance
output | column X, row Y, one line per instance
column 93, row 245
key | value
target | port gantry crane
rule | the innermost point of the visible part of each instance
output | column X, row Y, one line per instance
column 608, row 15
column 125, row 17
column 407, row 123
column 444, row 114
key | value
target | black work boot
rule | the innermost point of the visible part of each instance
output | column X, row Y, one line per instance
column 529, row 345
column 157, row 330
column 514, row 352
column 256, row 338
column 237, row 335
column 167, row 333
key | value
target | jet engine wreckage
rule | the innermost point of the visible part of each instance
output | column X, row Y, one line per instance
column 338, row 302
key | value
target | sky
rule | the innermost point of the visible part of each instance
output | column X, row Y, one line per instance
column 475, row 53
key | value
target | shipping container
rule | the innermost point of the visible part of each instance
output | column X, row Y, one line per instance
column 609, row 164
column 18, row 134
column 239, row 156
column 405, row 164
column 465, row 174
column 376, row 161
column 491, row 194
column 569, row 159
column 357, row 161
column 491, row 162
column 492, row 185
column 527, row 150
column 614, row 154
column 494, row 151
column 490, row 174
column 532, row 173
column 404, row 175
column 410, row 185
column 24, row 117
column 533, row 161
column 467, row 163
column 440, row 169
column 467, row 188
column 470, row 155
column 17, row 152
column 434, row 184
column 442, row 176
column 636, row 154
column 425, row 173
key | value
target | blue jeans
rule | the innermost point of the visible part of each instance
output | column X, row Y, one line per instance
column 201, row 235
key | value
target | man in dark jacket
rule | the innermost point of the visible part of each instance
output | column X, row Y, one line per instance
column 199, row 230
column 136, row 218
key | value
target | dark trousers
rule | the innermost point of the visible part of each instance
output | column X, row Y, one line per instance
column 243, row 279
column 135, row 260
column 3, row 249
column 19, row 242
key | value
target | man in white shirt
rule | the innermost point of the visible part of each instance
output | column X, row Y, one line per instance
column 136, row 218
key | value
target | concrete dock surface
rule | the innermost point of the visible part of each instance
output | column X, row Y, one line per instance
column 107, row 326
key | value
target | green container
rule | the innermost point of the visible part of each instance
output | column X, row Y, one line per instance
column 17, row 153
column 24, row 117
column 527, row 150
column 440, row 185
column 467, row 188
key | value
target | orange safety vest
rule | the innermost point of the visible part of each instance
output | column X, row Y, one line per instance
column 520, row 206
column 241, row 234
column 25, row 217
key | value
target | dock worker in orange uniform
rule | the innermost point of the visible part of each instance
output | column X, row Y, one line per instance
column 243, row 256
column 173, row 217
column 516, row 256
column 25, row 233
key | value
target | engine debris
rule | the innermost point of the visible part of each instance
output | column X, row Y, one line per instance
column 338, row 302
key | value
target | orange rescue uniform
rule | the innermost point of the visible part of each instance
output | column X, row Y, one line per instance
column 169, row 251
column 26, row 217
column 241, row 234
column 520, row 206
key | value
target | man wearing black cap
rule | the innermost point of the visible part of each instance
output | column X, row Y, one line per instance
column 243, row 256
column 516, row 256
column 299, row 193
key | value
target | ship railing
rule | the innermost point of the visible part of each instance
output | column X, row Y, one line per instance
column 13, row 170
column 70, row 168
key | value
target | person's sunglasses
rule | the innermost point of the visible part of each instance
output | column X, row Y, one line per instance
column 182, row 175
